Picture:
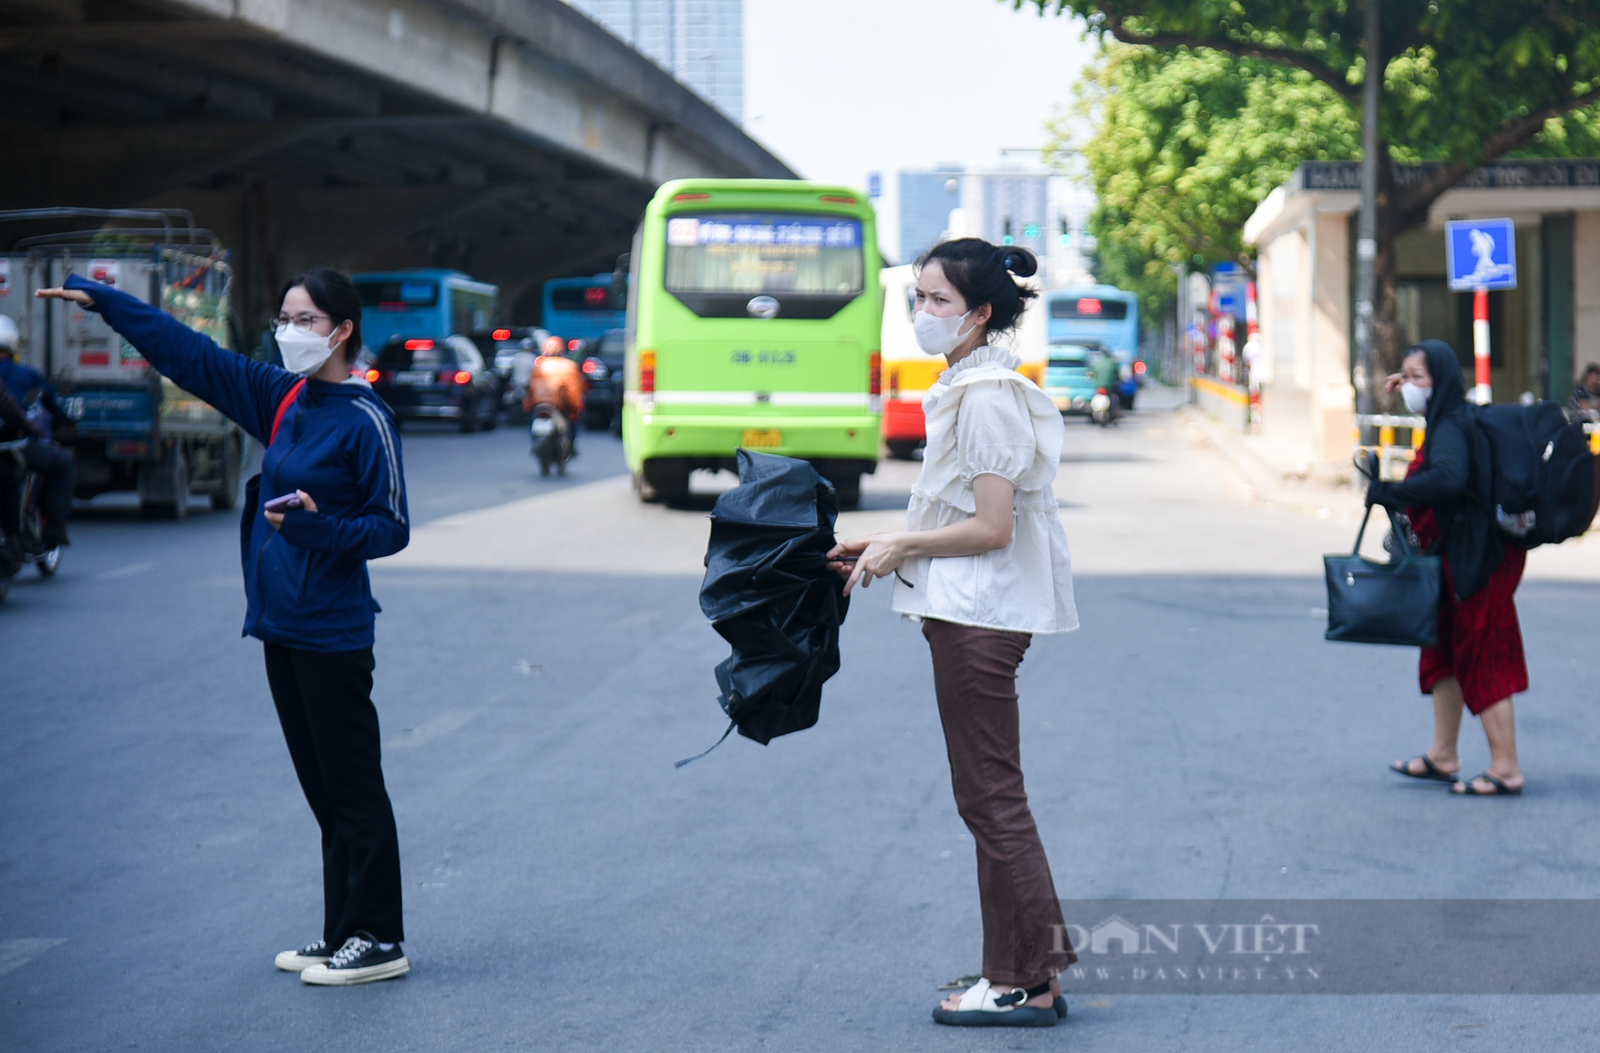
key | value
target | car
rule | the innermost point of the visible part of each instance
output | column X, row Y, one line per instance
column 500, row 347
column 437, row 378
column 602, row 368
column 1068, row 380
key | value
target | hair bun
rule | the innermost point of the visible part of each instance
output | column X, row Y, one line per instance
column 1020, row 261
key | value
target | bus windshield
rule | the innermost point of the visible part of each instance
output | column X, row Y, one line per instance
column 1089, row 307
column 584, row 298
column 410, row 292
column 768, row 252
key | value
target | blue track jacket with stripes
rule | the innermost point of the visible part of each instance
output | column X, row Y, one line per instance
column 306, row 584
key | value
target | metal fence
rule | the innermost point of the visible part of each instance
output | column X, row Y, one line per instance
column 1400, row 436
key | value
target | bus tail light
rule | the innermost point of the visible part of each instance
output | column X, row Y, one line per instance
column 894, row 383
column 419, row 345
column 647, row 372
column 500, row 334
column 875, row 374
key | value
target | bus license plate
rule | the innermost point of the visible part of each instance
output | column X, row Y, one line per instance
column 755, row 438
column 414, row 377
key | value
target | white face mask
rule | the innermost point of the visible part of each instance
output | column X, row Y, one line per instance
column 939, row 336
column 1415, row 398
column 303, row 353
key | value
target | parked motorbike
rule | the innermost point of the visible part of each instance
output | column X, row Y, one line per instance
column 552, row 438
column 28, row 546
column 1103, row 408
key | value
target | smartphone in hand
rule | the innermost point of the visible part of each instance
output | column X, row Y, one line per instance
column 283, row 504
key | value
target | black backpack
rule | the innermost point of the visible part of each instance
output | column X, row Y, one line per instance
column 1544, row 474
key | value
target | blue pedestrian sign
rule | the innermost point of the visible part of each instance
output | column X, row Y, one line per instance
column 1480, row 254
column 874, row 185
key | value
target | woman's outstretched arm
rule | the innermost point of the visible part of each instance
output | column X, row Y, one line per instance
column 245, row 390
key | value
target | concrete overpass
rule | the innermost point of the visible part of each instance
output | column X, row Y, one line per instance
column 514, row 139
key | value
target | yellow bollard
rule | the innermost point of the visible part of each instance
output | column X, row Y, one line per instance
column 1594, row 442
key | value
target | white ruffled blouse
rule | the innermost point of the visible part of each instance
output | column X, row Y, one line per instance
column 985, row 418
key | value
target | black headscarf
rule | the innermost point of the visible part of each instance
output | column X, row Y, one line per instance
column 1449, row 397
column 1456, row 477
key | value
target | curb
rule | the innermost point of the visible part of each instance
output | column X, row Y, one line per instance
column 1266, row 483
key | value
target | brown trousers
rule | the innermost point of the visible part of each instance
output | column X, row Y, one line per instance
column 975, row 678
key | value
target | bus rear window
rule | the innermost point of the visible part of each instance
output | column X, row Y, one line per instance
column 406, row 293
column 397, row 356
column 584, row 298
column 773, row 253
column 1091, row 307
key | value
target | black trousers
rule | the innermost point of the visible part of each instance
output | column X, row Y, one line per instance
column 57, row 474
column 324, row 701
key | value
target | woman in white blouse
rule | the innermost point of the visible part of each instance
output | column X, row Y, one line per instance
column 983, row 564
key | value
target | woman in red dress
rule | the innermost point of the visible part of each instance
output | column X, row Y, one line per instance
column 1478, row 662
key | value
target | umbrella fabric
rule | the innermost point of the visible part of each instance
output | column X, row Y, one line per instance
column 769, row 593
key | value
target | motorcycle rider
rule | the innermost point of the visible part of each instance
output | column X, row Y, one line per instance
column 13, row 422
column 1107, row 375
column 56, row 468
column 556, row 379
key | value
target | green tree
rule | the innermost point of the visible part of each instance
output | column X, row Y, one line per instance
column 1464, row 81
column 1181, row 147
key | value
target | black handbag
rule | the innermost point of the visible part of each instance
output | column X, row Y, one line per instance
column 1384, row 603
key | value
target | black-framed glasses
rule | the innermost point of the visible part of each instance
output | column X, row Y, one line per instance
column 306, row 321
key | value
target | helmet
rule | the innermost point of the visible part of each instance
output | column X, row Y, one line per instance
column 8, row 333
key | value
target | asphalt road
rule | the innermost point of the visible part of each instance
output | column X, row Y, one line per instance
column 542, row 662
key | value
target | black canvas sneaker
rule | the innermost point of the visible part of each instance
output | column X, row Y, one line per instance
column 307, row 956
column 359, row 961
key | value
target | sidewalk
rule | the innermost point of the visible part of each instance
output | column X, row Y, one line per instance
column 1277, row 472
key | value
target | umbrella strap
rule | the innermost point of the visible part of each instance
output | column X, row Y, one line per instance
column 714, row 745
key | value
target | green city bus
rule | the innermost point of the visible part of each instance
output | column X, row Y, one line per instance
column 754, row 318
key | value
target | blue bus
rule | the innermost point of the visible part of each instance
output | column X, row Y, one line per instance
column 583, row 308
column 431, row 304
column 1085, row 321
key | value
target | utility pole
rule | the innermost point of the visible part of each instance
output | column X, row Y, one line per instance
column 1367, row 228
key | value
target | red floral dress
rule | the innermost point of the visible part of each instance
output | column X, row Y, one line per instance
column 1480, row 639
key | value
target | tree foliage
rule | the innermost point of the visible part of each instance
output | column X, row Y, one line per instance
column 1464, row 82
column 1182, row 146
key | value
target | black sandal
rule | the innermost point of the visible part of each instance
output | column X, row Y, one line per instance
column 1500, row 788
column 1432, row 771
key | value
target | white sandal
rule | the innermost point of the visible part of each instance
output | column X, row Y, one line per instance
column 983, row 1005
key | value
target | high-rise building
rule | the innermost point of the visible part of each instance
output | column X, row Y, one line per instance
column 700, row 42
column 1035, row 209
column 926, row 201
column 1008, row 208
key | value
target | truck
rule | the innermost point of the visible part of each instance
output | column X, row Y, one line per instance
column 133, row 430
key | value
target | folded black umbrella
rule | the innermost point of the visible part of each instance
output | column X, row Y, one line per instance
column 768, row 591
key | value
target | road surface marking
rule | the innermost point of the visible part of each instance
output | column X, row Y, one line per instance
column 14, row 954
column 123, row 572
column 438, row 727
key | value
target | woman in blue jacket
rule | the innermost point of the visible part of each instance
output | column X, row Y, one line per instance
column 332, row 443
